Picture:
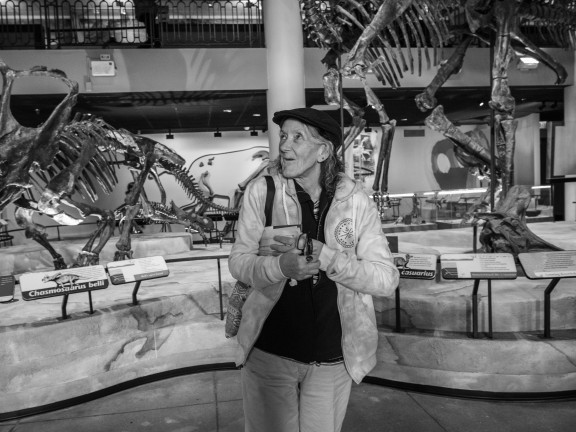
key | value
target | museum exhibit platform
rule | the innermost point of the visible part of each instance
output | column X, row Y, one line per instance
column 49, row 362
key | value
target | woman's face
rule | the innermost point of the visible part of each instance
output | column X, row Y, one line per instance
column 299, row 152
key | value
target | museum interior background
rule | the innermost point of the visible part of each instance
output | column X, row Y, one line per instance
column 179, row 94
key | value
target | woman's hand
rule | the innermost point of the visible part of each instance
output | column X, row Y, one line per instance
column 298, row 267
column 292, row 263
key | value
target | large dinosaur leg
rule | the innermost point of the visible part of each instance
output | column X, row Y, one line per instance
column 132, row 200
column 388, row 127
column 502, row 102
column 90, row 255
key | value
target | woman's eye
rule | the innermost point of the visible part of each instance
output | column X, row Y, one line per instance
column 297, row 137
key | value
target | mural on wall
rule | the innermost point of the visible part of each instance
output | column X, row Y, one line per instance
column 237, row 166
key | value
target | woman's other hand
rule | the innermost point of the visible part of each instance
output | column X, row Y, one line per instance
column 285, row 244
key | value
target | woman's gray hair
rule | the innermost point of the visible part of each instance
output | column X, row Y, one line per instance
column 330, row 169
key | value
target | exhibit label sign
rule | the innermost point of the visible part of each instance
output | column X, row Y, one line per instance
column 54, row 283
column 478, row 266
column 138, row 269
column 415, row 266
column 547, row 265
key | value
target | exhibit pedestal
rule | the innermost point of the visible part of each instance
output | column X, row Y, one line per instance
column 176, row 324
column 47, row 360
column 434, row 347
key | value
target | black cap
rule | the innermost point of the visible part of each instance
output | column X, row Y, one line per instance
column 326, row 125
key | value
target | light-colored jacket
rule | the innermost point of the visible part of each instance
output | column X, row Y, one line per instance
column 355, row 256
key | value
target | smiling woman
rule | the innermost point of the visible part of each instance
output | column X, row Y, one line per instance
column 317, row 334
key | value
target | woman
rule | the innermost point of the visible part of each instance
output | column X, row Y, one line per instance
column 308, row 327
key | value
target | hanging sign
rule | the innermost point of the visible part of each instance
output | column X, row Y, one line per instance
column 546, row 265
column 138, row 269
column 54, row 283
column 478, row 266
column 415, row 266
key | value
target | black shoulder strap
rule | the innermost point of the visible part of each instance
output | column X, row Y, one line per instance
column 271, row 190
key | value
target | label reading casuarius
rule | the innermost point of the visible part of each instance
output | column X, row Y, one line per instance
column 138, row 269
column 415, row 266
column 55, row 283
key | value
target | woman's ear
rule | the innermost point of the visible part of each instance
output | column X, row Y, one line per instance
column 323, row 154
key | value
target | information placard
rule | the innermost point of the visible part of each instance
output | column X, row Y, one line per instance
column 138, row 269
column 478, row 266
column 548, row 265
column 55, row 283
column 7, row 284
column 416, row 266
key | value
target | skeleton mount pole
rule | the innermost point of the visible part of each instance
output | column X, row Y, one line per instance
column 493, row 132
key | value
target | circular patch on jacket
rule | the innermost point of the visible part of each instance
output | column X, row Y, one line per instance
column 344, row 233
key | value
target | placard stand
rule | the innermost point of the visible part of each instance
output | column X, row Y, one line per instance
column 487, row 266
column 475, row 308
column 554, row 265
column 412, row 266
column 547, row 293
column 137, row 270
column 65, row 303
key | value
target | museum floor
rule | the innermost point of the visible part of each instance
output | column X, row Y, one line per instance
column 212, row 402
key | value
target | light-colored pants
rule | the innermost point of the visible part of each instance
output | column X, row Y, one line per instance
column 282, row 395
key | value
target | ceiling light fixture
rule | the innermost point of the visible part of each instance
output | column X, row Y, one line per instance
column 254, row 133
column 169, row 135
column 368, row 129
column 217, row 134
column 227, row 110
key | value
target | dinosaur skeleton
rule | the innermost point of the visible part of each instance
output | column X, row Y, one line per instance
column 382, row 30
column 64, row 156
column 374, row 34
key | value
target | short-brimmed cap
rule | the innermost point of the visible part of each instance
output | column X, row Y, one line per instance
column 326, row 125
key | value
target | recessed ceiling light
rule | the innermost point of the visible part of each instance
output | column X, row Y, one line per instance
column 246, row 127
column 256, row 115
column 227, row 110
column 404, row 119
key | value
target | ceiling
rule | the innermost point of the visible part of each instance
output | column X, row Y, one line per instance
column 209, row 111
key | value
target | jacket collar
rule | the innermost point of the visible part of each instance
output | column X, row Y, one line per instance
column 346, row 187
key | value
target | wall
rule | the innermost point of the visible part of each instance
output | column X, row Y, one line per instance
column 226, row 69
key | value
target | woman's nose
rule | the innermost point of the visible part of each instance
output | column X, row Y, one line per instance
column 284, row 145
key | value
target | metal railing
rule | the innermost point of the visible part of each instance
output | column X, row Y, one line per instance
column 52, row 24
